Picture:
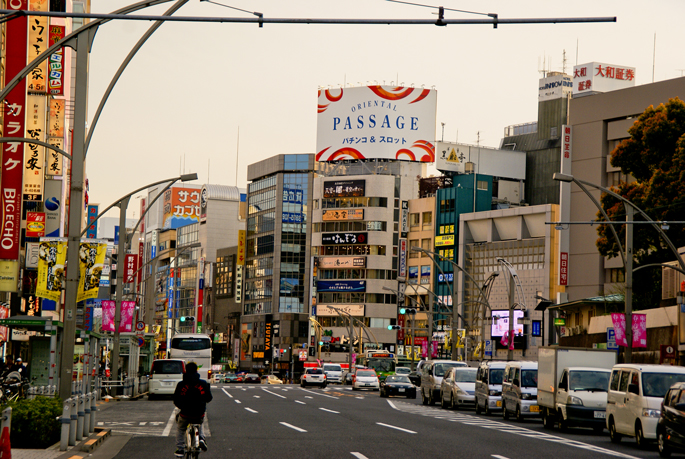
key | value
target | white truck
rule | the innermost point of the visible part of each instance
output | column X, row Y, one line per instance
column 572, row 386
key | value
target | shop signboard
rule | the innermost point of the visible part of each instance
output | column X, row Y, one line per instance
column 330, row 215
column 341, row 262
column 344, row 188
column 341, row 286
column 344, row 238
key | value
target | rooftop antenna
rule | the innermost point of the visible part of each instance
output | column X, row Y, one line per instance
column 654, row 58
column 237, row 155
column 576, row 51
column 563, row 62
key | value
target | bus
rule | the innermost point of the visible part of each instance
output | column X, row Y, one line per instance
column 382, row 361
column 193, row 347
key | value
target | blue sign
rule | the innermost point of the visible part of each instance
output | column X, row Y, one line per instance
column 449, row 276
column 293, row 217
column 611, row 339
column 116, row 235
column 488, row 347
column 292, row 195
column 536, row 328
column 341, row 286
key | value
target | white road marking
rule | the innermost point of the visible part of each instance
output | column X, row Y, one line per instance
column 503, row 427
column 169, row 423
column 256, row 396
column 359, row 456
column 499, row 457
column 330, row 411
column 360, row 398
column 142, row 423
column 319, row 393
column 307, row 396
column 250, row 410
column 301, row 403
column 292, row 427
column 273, row 393
column 238, row 401
column 395, row 427
column 224, row 390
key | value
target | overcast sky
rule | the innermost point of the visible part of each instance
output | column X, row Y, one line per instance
column 182, row 101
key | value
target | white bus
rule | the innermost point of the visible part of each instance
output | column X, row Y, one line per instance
column 193, row 347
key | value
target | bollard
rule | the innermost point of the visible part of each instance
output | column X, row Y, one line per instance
column 6, row 419
column 73, row 420
column 93, row 410
column 81, row 414
column 66, row 423
column 86, row 415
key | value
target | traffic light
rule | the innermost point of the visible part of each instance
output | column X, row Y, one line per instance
column 188, row 319
column 407, row 310
column 394, row 327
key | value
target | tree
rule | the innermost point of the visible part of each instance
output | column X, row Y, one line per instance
column 654, row 155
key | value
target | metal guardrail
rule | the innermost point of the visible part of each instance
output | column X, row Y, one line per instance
column 78, row 419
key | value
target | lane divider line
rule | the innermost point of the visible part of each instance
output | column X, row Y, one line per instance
column 330, row 411
column 273, row 393
column 300, row 402
column 292, row 427
column 395, row 427
column 238, row 401
column 250, row 410
column 171, row 422
column 224, row 391
column 359, row 455
column 319, row 393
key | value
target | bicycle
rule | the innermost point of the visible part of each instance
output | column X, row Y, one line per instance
column 192, row 445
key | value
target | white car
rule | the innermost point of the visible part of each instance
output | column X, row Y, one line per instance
column 365, row 379
column 333, row 372
column 165, row 376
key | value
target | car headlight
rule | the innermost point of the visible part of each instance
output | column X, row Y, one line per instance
column 649, row 413
column 574, row 400
column 525, row 396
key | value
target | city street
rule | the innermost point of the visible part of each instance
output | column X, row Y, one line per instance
column 288, row 422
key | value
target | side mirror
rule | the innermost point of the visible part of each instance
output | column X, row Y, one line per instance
column 516, row 382
column 633, row 389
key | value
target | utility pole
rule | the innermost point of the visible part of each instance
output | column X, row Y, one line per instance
column 512, row 299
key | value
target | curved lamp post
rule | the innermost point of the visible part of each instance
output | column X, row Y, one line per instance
column 628, row 259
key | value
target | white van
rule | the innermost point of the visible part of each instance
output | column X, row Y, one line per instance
column 333, row 372
column 489, row 386
column 165, row 376
column 431, row 378
column 520, row 390
column 634, row 400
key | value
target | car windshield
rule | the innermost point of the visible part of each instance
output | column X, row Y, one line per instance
column 332, row 368
column 529, row 378
column 465, row 375
column 496, row 375
column 315, row 371
column 657, row 384
column 402, row 371
column 167, row 367
column 397, row 379
column 441, row 368
column 594, row 381
column 381, row 365
column 251, row 375
column 366, row 373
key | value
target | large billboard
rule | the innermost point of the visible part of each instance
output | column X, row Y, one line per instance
column 341, row 286
column 597, row 77
column 351, row 309
column 344, row 188
column 452, row 157
column 181, row 207
column 389, row 122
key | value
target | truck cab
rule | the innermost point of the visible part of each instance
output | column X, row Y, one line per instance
column 582, row 397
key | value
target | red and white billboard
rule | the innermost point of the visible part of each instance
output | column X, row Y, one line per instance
column 390, row 122
column 599, row 77
column 130, row 267
column 13, row 126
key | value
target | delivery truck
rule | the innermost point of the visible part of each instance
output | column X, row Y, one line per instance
column 572, row 386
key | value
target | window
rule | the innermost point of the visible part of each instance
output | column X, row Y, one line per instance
column 446, row 205
column 616, row 275
column 414, row 220
column 482, row 185
column 426, row 245
column 427, row 218
column 413, row 253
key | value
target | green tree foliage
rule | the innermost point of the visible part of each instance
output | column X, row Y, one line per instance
column 654, row 155
column 34, row 422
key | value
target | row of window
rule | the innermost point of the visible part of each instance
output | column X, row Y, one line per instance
column 425, row 218
column 356, row 273
column 261, row 184
column 356, row 298
column 337, row 321
column 425, row 245
column 349, row 226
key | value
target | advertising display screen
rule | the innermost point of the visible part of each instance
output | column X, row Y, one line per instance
column 341, row 286
column 501, row 326
column 389, row 122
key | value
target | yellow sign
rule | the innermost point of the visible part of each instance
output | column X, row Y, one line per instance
column 9, row 275
column 52, row 254
column 343, row 214
column 461, row 334
column 258, row 355
column 91, row 256
column 444, row 240
column 241, row 248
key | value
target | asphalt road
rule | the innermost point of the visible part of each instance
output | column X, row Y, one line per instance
column 253, row 421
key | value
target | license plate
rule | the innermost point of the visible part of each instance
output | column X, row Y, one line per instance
column 367, row 385
column 535, row 409
column 600, row 415
column 400, row 390
column 499, row 403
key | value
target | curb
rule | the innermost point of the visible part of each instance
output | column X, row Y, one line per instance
column 95, row 439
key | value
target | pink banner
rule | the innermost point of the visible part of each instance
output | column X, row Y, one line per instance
column 639, row 329
column 108, row 311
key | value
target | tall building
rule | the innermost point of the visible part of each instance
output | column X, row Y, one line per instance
column 275, row 321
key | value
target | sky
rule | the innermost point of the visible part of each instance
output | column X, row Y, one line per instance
column 199, row 96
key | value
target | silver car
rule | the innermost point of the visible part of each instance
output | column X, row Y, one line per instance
column 458, row 388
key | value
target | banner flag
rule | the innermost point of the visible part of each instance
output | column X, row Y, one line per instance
column 91, row 256
column 52, row 256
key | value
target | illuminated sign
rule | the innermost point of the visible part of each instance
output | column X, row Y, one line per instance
column 444, row 240
column 342, row 214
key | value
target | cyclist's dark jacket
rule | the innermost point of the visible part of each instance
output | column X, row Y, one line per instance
column 191, row 396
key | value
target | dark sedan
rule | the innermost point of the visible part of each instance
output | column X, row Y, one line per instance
column 252, row 378
column 398, row 385
column 670, row 432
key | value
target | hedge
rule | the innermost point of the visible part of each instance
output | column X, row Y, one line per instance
column 35, row 422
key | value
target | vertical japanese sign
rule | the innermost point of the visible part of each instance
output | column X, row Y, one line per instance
column 639, row 327
column 141, row 257
column 56, row 62
column 52, row 257
column 92, row 231
column 38, row 43
column 130, row 267
column 53, row 164
column 34, row 155
column 563, row 268
column 241, row 248
column 181, row 207
column 142, row 212
column 403, row 258
column 35, row 224
column 13, row 126
column 245, row 341
column 126, row 317
column 91, row 261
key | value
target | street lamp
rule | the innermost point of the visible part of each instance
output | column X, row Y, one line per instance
column 628, row 258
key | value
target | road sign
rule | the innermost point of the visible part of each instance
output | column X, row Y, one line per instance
column 488, row 347
column 611, row 339
column 140, row 326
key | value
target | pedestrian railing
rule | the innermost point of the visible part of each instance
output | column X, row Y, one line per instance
column 78, row 419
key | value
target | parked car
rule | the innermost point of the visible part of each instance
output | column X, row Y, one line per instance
column 164, row 376
column 313, row 377
column 252, row 378
column 489, row 386
column 397, row 385
column 634, row 401
column 365, row 378
column 670, row 432
column 333, row 372
column 218, row 377
column 432, row 373
column 271, row 379
column 233, row 378
column 520, row 390
column 458, row 388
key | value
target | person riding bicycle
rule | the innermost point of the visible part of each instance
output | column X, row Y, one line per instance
column 191, row 397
